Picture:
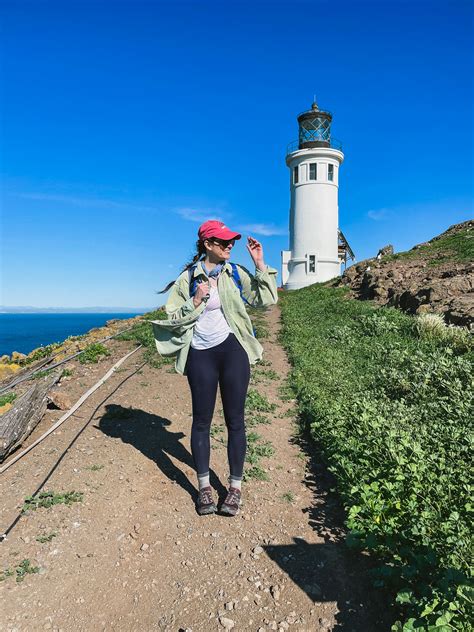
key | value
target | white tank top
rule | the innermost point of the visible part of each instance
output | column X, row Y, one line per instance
column 211, row 327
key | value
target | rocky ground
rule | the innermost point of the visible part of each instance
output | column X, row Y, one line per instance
column 133, row 554
column 423, row 280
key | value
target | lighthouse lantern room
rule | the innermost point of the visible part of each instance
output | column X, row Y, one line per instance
column 317, row 246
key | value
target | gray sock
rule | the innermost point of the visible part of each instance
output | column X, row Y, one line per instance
column 203, row 480
column 234, row 482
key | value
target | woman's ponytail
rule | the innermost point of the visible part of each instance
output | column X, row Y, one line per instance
column 201, row 250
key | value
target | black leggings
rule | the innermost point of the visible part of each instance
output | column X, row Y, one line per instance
column 226, row 364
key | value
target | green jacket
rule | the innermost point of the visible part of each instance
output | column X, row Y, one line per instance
column 173, row 336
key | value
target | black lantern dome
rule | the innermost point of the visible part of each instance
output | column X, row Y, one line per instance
column 314, row 128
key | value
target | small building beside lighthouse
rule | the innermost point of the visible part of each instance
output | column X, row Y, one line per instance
column 317, row 246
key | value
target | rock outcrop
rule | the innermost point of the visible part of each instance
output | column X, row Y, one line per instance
column 436, row 276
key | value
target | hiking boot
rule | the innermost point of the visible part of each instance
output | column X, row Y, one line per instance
column 205, row 502
column 231, row 505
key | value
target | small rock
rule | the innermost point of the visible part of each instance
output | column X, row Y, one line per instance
column 144, row 546
column 291, row 618
column 58, row 399
column 258, row 550
column 226, row 623
column 275, row 592
column 16, row 355
column 229, row 605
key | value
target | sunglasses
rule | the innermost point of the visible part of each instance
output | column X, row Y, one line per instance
column 223, row 243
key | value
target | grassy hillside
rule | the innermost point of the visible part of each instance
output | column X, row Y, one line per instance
column 388, row 399
column 456, row 246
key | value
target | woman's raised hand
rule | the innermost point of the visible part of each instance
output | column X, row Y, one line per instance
column 202, row 291
column 255, row 249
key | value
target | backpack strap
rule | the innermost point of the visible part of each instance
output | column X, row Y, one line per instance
column 238, row 282
column 235, row 278
column 192, row 281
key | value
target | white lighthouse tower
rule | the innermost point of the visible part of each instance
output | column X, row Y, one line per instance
column 314, row 162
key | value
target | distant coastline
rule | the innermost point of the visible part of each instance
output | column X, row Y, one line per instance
column 24, row 332
column 29, row 309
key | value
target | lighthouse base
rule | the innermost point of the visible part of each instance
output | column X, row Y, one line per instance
column 301, row 275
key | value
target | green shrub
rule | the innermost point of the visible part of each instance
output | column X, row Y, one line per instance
column 93, row 352
column 433, row 327
column 390, row 411
column 8, row 398
column 142, row 334
column 41, row 352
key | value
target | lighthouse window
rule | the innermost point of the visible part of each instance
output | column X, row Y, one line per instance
column 312, row 263
column 330, row 173
column 295, row 174
column 313, row 171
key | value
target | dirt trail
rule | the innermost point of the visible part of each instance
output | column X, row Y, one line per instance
column 135, row 556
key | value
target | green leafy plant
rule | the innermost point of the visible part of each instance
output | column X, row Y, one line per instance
column 285, row 393
column 40, row 374
column 41, row 352
column 216, row 429
column 46, row 537
column 8, row 398
column 257, row 402
column 23, row 569
column 256, row 449
column 142, row 334
column 255, row 472
column 259, row 375
column 48, row 499
column 256, row 419
column 92, row 353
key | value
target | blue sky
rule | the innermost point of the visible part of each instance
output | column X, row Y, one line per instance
column 126, row 124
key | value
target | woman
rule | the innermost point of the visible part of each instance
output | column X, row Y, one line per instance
column 211, row 334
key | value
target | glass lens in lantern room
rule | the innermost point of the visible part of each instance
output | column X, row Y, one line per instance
column 317, row 128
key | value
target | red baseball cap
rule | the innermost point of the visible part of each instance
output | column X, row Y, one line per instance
column 215, row 228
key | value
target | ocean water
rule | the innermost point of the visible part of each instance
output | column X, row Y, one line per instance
column 25, row 332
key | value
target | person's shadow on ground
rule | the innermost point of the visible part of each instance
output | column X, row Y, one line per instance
column 152, row 436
